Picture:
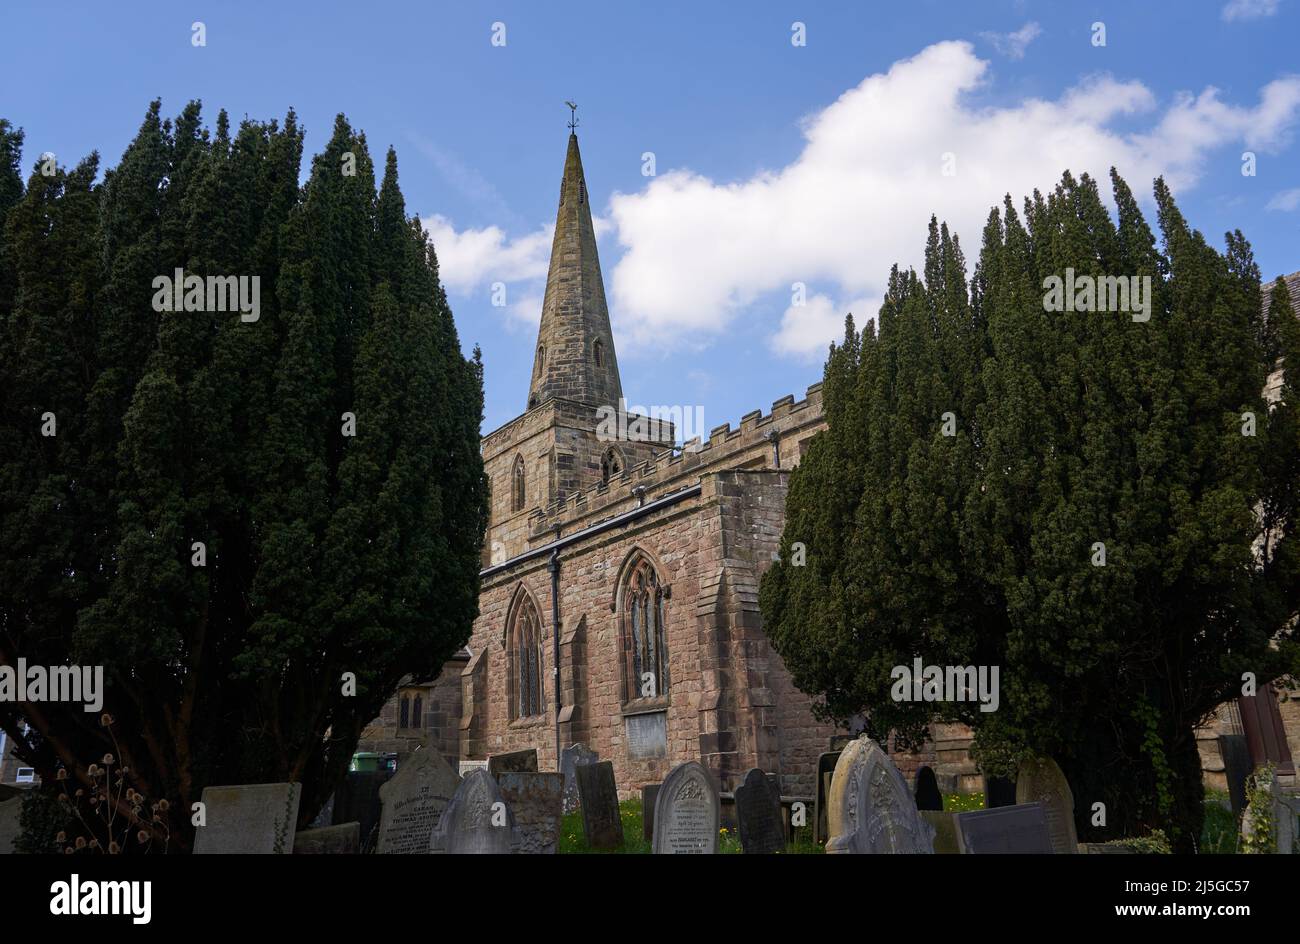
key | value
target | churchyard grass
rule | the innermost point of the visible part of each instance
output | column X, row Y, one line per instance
column 572, row 841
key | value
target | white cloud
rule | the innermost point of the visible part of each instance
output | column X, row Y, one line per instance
column 471, row 259
column 1013, row 45
column 807, row 329
column 858, row 197
column 1249, row 9
column 1286, row 201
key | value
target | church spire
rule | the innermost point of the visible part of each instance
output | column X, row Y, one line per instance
column 574, row 357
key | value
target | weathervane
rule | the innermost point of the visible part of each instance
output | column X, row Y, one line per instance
column 573, row 116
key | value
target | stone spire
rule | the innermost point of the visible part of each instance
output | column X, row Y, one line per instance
column 574, row 357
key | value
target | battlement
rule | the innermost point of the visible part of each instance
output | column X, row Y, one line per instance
column 664, row 471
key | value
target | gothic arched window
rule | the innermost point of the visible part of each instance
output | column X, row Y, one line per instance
column 405, row 713
column 611, row 464
column 517, row 493
column 541, row 359
column 524, row 640
column 417, row 712
column 598, row 353
column 644, row 636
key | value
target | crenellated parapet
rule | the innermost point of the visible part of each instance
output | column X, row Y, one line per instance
column 748, row 446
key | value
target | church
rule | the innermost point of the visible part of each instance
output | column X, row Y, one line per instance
column 619, row 600
column 619, row 597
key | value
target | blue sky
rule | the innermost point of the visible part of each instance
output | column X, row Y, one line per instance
column 775, row 164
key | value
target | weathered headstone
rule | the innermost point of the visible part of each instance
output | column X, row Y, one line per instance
column 515, row 762
column 686, row 812
column 9, row 810
column 758, row 815
column 649, row 794
column 1017, row 829
column 537, row 802
column 572, row 757
column 870, row 808
column 999, row 791
column 598, row 796
column 1104, row 848
column 928, row 796
column 1237, row 768
column 945, row 831
column 326, row 815
column 257, row 818
column 825, row 771
column 413, row 802
column 329, row 840
column 477, row 821
column 1287, row 813
column 356, row 800
column 1040, row 780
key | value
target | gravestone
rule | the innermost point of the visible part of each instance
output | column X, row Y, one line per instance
column 945, row 831
column 412, row 803
column 649, row 794
column 515, row 762
column 477, row 821
column 825, row 771
column 870, row 810
column 326, row 815
column 598, row 796
column 572, row 757
column 686, row 812
column 256, row 818
column 329, row 840
column 9, row 829
column 999, row 791
column 758, row 815
column 469, row 766
column 1104, row 848
column 1017, row 829
column 537, row 802
column 356, row 800
column 1237, row 768
column 928, row 796
column 1040, row 780
column 1287, row 818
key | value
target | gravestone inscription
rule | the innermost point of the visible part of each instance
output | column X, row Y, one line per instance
column 686, row 812
column 413, row 802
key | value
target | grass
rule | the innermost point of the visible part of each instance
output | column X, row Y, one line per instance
column 573, row 842
column 1218, row 837
column 1219, row 833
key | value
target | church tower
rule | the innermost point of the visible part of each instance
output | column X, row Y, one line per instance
column 574, row 357
column 558, row 445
